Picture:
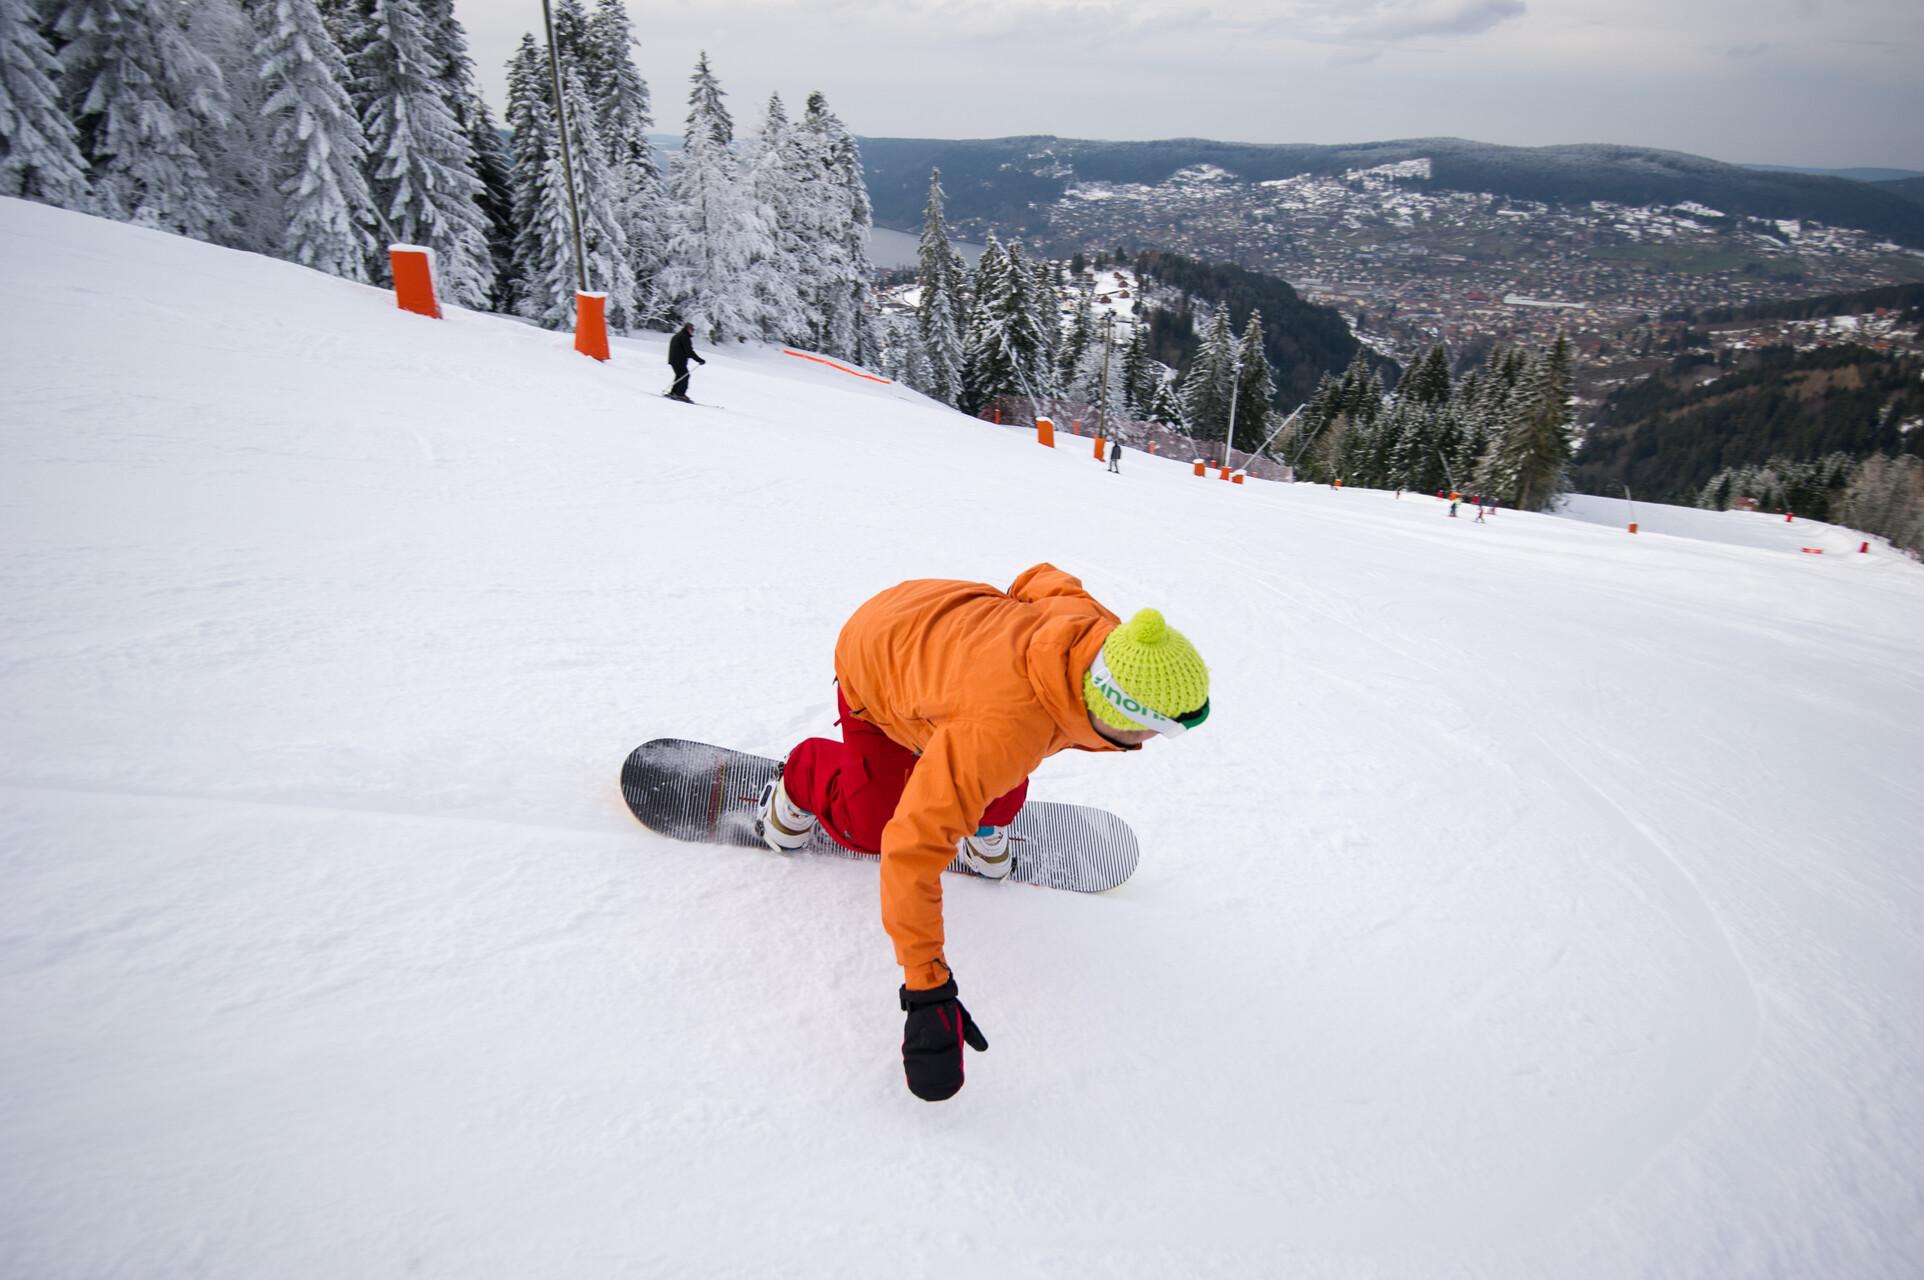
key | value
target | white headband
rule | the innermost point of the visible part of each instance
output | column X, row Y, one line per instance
column 1120, row 698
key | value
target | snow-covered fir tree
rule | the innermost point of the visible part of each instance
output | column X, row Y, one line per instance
column 145, row 102
column 316, row 148
column 1211, row 379
column 1255, row 385
column 531, row 134
column 1076, row 337
column 1535, row 451
column 838, row 289
column 1141, row 375
column 493, row 164
column 1046, row 321
column 548, row 294
column 422, row 178
column 239, row 156
column 988, row 368
column 1004, row 351
column 777, row 172
column 624, row 116
column 941, row 306
column 717, row 234
column 1165, row 405
column 39, row 145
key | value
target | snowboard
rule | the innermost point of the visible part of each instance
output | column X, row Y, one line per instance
column 707, row 794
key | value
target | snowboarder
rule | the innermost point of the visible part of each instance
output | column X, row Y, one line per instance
column 681, row 349
column 949, row 694
column 1115, row 457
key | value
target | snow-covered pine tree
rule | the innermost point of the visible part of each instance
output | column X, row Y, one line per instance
column 316, row 147
column 842, row 298
column 39, row 145
column 144, row 101
column 940, row 308
column 571, row 34
column 1165, row 406
column 1256, row 385
column 422, row 176
column 1140, row 375
column 622, row 108
column 1029, row 317
column 1428, row 381
column 493, row 165
column 1307, row 443
column 1074, row 342
column 989, row 365
column 1045, row 304
column 531, row 134
column 1100, row 388
column 604, row 246
column 624, row 116
column 239, row 155
column 1535, row 450
column 778, row 170
column 717, row 234
column 1408, row 443
column 1211, row 379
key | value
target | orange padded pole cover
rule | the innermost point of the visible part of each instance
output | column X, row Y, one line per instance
column 413, row 268
column 1045, row 433
column 591, row 325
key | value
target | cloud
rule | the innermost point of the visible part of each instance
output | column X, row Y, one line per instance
column 1415, row 19
column 1745, row 52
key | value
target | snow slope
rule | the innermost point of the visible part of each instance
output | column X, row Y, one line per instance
column 1539, row 900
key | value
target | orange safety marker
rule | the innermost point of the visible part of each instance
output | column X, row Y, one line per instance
column 1075, row 426
column 857, row 373
column 1238, row 477
column 591, row 325
column 1813, row 551
column 1099, row 454
column 413, row 267
column 1633, row 526
column 1788, row 516
column 1225, row 473
column 1045, row 433
column 998, row 415
column 1201, row 467
column 1863, row 548
column 1152, row 447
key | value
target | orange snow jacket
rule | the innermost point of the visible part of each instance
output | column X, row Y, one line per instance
column 984, row 685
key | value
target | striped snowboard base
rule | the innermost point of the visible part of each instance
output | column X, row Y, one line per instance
column 692, row 791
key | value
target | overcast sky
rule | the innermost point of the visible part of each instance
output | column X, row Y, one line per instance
column 1828, row 83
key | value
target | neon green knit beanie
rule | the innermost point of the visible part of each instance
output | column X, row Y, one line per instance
column 1148, row 676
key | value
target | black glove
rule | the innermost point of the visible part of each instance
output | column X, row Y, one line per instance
column 932, row 1041
column 699, row 360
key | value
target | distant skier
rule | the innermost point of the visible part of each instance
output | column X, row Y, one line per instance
column 1115, row 456
column 681, row 349
column 949, row 694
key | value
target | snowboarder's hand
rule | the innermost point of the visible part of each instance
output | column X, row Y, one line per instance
column 699, row 360
column 932, row 1041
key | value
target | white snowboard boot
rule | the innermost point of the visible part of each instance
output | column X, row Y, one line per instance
column 987, row 852
column 782, row 826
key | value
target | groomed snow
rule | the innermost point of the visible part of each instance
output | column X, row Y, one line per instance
column 1539, row 901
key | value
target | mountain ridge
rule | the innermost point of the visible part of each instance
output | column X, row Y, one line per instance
column 1008, row 182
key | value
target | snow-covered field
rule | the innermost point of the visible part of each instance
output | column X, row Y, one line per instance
column 1539, row 901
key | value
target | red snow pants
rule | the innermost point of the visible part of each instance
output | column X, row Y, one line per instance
column 852, row 786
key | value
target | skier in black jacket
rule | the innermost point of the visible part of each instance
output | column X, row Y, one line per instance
column 681, row 349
